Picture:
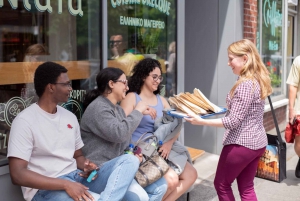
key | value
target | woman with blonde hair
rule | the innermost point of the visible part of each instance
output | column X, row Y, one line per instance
column 245, row 138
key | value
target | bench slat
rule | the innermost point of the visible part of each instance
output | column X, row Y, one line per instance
column 195, row 153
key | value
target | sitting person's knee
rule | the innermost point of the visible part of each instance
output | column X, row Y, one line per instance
column 172, row 179
column 159, row 187
column 189, row 173
column 131, row 159
column 193, row 173
column 135, row 192
column 162, row 185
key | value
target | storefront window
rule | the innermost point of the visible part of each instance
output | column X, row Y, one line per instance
column 139, row 29
column 270, row 31
column 290, row 42
column 34, row 31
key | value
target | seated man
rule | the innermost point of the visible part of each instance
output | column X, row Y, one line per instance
column 44, row 149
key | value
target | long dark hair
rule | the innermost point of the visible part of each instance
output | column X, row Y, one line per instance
column 102, row 79
column 140, row 71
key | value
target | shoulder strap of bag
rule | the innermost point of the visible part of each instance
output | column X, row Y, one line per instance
column 275, row 121
column 142, row 139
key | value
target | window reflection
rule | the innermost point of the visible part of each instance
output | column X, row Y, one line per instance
column 271, row 23
column 140, row 30
column 29, row 37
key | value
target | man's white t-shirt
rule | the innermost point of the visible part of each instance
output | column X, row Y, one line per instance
column 294, row 80
column 47, row 141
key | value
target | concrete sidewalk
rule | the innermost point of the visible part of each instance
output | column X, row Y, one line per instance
column 287, row 190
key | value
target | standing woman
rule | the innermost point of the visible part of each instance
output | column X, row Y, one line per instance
column 245, row 138
column 144, row 85
column 106, row 132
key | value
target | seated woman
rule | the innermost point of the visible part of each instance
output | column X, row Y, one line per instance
column 106, row 130
column 144, row 85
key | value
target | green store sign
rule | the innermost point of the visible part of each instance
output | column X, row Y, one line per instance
column 47, row 7
column 272, row 19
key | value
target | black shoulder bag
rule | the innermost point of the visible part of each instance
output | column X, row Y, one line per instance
column 272, row 164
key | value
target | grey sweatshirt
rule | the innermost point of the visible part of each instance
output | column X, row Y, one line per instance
column 106, row 131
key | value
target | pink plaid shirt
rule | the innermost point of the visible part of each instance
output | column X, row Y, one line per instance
column 244, row 119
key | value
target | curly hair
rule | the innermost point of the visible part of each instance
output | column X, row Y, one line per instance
column 45, row 74
column 140, row 71
column 102, row 80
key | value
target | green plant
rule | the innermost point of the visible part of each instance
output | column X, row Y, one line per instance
column 150, row 38
column 275, row 80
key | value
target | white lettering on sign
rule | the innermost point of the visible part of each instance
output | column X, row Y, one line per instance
column 154, row 24
column 272, row 16
column 3, row 145
column 131, row 21
column 139, row 22
column 13, row 3
column 77, row 94
column 47, row 7
column 161, row 5
column 42, row 8
column 73, row 11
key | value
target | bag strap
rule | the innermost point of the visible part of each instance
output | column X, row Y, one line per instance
column 144, row 175
column 146, row 138
column 140, row 139
column 275, row 121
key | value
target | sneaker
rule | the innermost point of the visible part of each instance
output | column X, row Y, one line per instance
column 297, row 171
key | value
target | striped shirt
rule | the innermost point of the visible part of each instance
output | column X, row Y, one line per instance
column 244, row 119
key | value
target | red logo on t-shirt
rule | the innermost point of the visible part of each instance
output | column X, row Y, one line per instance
column 69, row 126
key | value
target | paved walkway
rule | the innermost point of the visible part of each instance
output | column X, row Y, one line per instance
column 287, row 190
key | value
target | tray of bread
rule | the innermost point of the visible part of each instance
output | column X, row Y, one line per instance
column 193, row 103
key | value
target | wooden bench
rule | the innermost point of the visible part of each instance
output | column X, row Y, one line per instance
column 195, row 153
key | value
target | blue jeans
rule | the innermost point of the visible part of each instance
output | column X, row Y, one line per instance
column 153, row 192
column 114, row 178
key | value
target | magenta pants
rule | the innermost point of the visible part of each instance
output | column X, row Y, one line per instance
column 240, row 163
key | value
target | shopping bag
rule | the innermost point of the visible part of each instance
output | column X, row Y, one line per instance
column 272, row 164
column 152, row 169
column 292, row 130
column 289, row 133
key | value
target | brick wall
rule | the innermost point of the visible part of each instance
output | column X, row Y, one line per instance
column 280, row 114
column 250, row 19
